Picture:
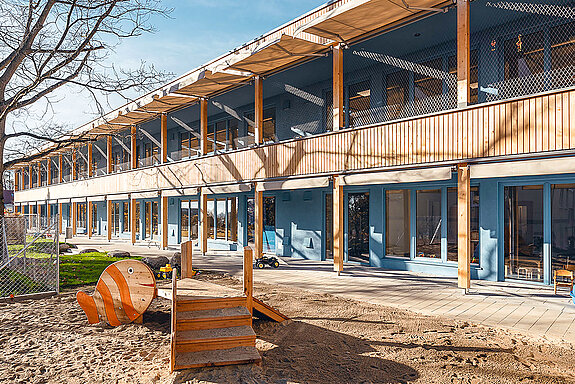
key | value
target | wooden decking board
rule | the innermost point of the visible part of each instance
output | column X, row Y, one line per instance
column 217, row 313
column 238, row 355
column 206, row 304
column 217, row 333
column 183, row 325
column 214, row 344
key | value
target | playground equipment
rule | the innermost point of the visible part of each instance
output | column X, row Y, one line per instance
column 123, row 293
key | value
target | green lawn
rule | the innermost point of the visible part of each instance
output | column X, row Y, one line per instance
column 85, row 268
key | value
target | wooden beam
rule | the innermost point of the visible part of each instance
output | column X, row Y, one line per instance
column 203, row 222
column 60, row 217
column 186, row 249
column 464, row 227
column 338, row 102
column 60, row 169
column 109, row 218
column 133, row 219
column 164, row 137
column 259, row 110
column 164, row 208
column 133, row 146
column 338, row 225
column 463, row 54
column 89, row 215
column 74, row 165
column 90, row 160
column 74, row 211
column 258, row 222
column 17, row 180
column 109, row 154
column 48, row 211
column 204, row 126
column 249, row 277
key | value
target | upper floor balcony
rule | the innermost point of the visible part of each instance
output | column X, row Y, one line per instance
column 322, row 74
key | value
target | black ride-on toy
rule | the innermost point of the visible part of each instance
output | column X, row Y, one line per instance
column 267, row 260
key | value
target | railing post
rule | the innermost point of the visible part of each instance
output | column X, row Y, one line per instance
column 259, row 110
column 464, row 227
column 204, row 126
column 337, row 105
column 248, row 277
column 463, row 54
column 186, row 252
column 133, row 146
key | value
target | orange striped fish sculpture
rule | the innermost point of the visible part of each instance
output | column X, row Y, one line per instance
column 123, row 293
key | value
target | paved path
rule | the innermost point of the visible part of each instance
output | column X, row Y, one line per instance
column 530, row 309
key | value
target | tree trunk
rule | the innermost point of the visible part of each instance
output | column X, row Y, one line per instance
column 2, row 142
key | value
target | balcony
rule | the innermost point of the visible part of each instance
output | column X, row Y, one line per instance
column 122, row 167
column 149, row 161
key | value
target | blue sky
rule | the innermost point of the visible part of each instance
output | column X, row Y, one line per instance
column 196, row 32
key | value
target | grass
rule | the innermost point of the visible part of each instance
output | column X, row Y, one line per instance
column 15, row 283
column 85, row 268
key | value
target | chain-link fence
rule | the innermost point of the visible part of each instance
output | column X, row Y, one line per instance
column 30, row 256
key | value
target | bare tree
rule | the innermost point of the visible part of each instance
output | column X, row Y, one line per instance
column 49, row 44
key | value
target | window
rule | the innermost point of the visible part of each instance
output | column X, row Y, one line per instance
column 397, row 223
column 359, row 103
column 221, row 212
column 220, row 139
column 397, row 94
column 185, row 144
column 452, row 226
column 185, row 220
column 155, row 222
column 428, row 223
column 562, row 55
column 562, row 226
column 137, row 218
column 94, row 218
column 524, row 56
column 233, row 128
column 211, row 218
column 269, row 133
column 126, row 217
column 115, row 218
column 232, row 222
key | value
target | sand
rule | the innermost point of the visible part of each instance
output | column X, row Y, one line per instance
column 330, row 340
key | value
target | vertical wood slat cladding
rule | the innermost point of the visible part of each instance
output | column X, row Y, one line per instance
column 535, row 124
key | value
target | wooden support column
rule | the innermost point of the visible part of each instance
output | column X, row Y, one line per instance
column 133, row 219
column 249, row 278
column 338, row 102
column 258, row 222
column 89, row 215
column 464, row 227
column 74, row 213
column 204, row 126
column 338, row 225
column 186, row 249
column 203, row 222
column 39, row 174
column 17, row 180
column 463, row 54
column 259, row 110
column 60, row 169
column 164, row 208
column 30, row 186
column 133, row 146
column 109, row 219
column 74, row 165
column 109, row 154
column 90, row 161
column 60, row 217
column 164, row 137
column 49, row 171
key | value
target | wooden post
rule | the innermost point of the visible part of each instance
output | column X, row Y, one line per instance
column 249, row 277
column 164, row 208
column 30, row 186
column 164, row 137
column 89, row 215
column 338, row 225
column 74, row 165
column 186, row 252
column 259, row 110
column 17, row 180
column 463, row 54
column 204, row 126
column 338, row 102
column 90, row 161
column 258, row 222
column 60, row 169
column 133, row 146
column 109, row 153
column 48, row 171
column 60, row 217
column 133, row 218
column 203, row 222
column 39, row 174
column 74, row 213
column 464, row 227
column 109, row 218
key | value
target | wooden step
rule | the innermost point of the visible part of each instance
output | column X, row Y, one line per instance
column 238, row 355
column 213, row 318
column 183, row 305
column 212, row 339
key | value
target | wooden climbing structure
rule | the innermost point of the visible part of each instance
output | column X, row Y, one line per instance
column 212, row 324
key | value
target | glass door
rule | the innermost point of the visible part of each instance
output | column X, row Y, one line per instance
column 328, row 238
column 523, row 222
column 358, row 227
column 562, row 226
column 269, row 236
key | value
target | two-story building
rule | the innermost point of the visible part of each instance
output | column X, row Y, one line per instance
column 422, row 135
